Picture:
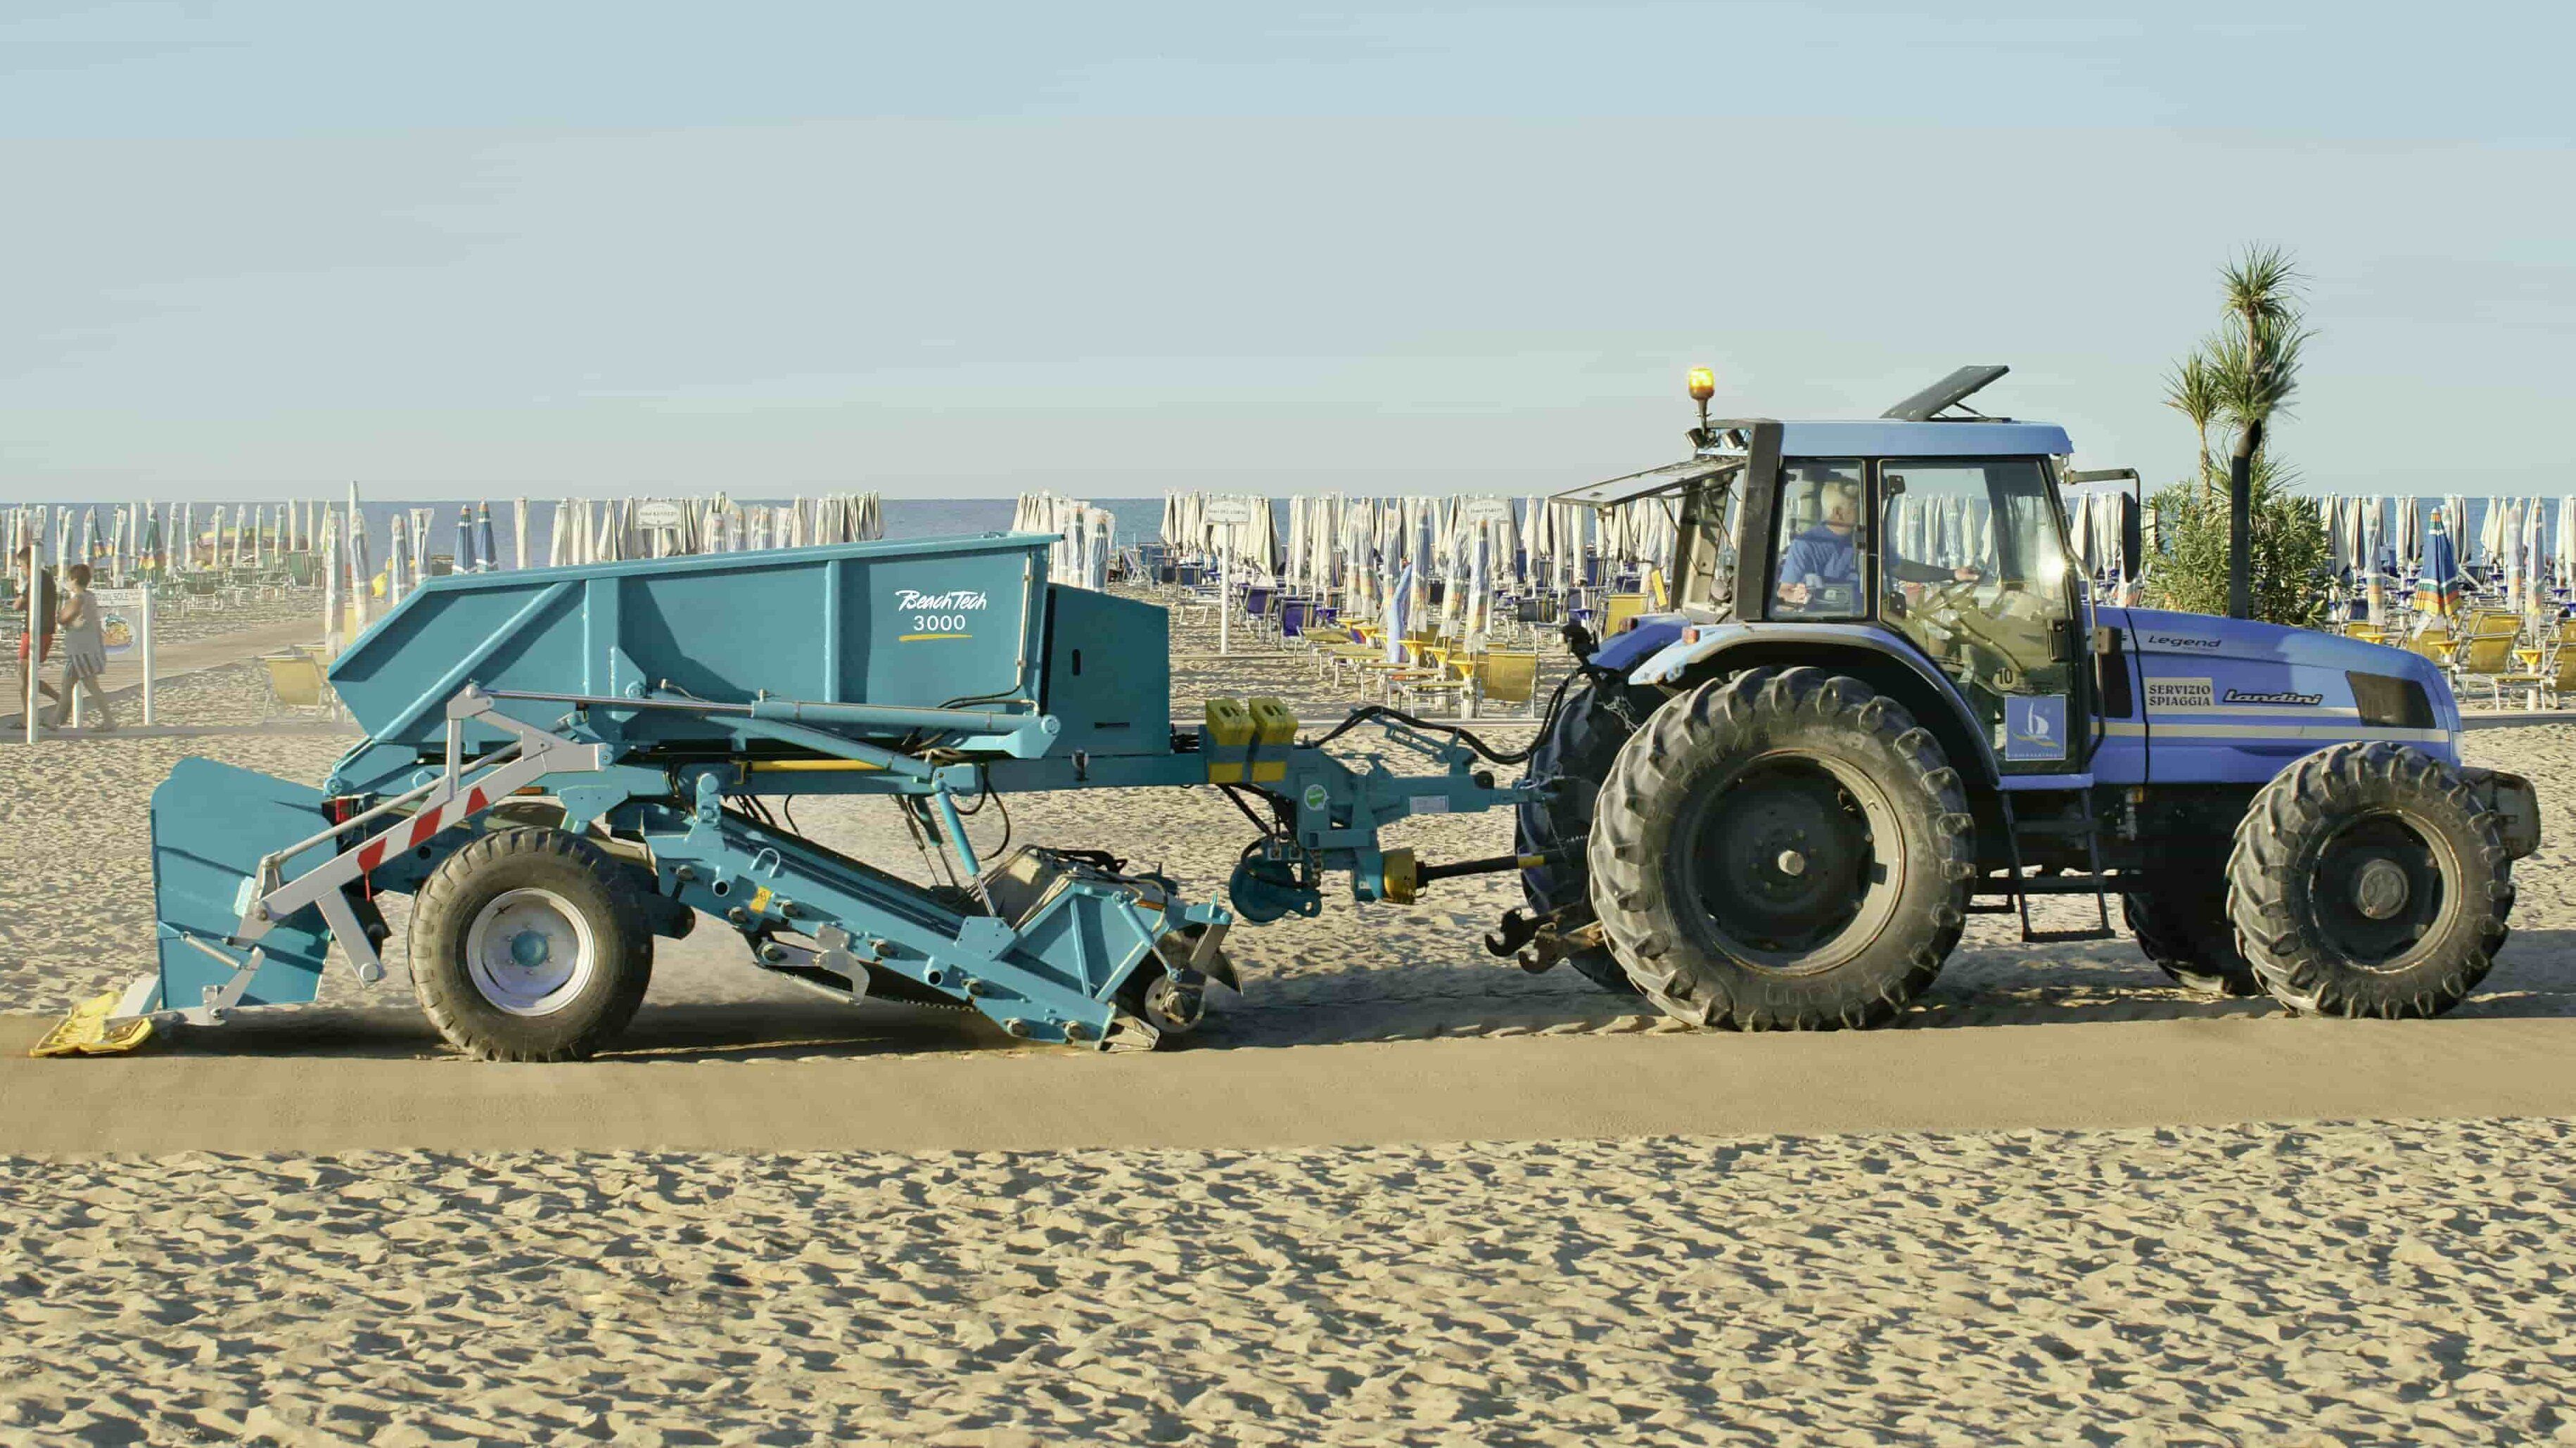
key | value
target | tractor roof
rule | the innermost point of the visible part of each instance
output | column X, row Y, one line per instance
column 1873, row 438
column 1879, row 437
column 1933, row 423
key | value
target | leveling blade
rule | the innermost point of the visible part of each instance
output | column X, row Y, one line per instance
column 94, row 1028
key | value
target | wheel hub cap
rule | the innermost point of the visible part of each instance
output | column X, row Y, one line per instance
column 530, row 952
column 1782, row 861
column 2379, row 889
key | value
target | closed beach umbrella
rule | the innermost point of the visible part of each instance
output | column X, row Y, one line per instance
column 1400, row 613
column 2535, row 550
column 2437, row 584
column 397, row 557
column 359, row 572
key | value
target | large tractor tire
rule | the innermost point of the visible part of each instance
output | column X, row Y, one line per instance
column 1577, row 750
column 530, row 944
column 2370, row 880
column 1782, row 850
column 2183, row 927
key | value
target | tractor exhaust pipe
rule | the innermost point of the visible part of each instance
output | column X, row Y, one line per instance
column 2240, row 520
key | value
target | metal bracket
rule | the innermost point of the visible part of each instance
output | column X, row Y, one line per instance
column 460, row 792
column 220, row 999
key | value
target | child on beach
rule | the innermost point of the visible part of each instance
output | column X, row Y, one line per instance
column 84, row 651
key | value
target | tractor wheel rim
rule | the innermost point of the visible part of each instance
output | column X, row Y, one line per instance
column 1795, row 862
column 2381, row 890
column 530, row 952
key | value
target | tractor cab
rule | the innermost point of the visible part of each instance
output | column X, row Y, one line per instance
column 1939, row 539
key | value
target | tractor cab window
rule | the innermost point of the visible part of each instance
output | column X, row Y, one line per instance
column 1817, row 574
column 1974, row 572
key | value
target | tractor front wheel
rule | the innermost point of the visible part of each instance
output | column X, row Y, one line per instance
column 530, row 944
column 2184, row 929
column 1782, row 850
column 2370, row 880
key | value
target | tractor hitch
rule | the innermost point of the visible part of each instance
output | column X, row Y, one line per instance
column 1540, row 941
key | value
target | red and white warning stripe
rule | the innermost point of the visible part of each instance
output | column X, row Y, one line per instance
column 419, row 828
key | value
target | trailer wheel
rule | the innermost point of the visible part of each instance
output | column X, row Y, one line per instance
column 1578, row 749
column 2184, row 929
column 530, row 945
column 2369, row 880
column 1782, row 850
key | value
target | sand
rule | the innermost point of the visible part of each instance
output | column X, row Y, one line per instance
column 1509, row 1275
column 2355, row 1283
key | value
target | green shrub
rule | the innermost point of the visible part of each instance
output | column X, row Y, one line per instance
column 2290, row 570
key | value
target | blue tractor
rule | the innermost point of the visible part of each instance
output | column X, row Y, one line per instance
column 1884, row 700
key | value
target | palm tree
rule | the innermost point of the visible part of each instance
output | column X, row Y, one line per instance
column 2257, row 366
column 2193, row 390
column 2258, row 357
column 2262, row 282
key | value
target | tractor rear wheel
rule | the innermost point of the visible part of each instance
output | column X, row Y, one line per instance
column 1577, row 750
column 2370, row 880
column 530, row 944
column 1784, row 849
column 2184, row 929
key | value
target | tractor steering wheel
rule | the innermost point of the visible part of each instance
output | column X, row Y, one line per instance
column 1941, row 603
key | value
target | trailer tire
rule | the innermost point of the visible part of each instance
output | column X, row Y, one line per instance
column 1578, row 749
column 2186, row 932
column 1815, row 812
column 530, row 944
column 2370, row 880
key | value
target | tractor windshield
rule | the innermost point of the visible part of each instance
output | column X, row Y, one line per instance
column 1973, row 570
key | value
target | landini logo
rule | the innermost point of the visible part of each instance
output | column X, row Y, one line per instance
column 2239, row 696
column 2179, row 641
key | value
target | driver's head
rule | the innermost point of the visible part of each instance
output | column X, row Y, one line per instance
column 1840, row 502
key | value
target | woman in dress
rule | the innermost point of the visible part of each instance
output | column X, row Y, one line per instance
column 84, row 645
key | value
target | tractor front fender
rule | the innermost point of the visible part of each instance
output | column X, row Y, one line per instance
column 1877, row 658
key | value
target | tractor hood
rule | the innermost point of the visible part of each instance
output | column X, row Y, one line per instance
column 2224, row 698
column 2198, row 635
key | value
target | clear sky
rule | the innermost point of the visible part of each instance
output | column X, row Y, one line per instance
column 940, row 250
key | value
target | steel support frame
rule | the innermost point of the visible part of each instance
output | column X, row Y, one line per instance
column 761, row 880
column 461, row 792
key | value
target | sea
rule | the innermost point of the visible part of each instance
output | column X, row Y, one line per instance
column 1139, row 519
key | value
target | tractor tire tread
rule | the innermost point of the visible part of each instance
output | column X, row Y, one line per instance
column 1578, row 748
column 2183, row 929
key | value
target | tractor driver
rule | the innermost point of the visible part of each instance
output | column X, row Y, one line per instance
column 1827, row 556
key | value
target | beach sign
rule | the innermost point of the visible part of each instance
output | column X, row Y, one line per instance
column 1484, row 510
column 120, row 612
column 658, row 515
column 125, row 624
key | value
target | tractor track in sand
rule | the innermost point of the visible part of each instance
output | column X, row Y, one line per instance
column 342, row 1082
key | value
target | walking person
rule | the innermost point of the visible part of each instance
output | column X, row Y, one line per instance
column 84, row 651
column 39, row 630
